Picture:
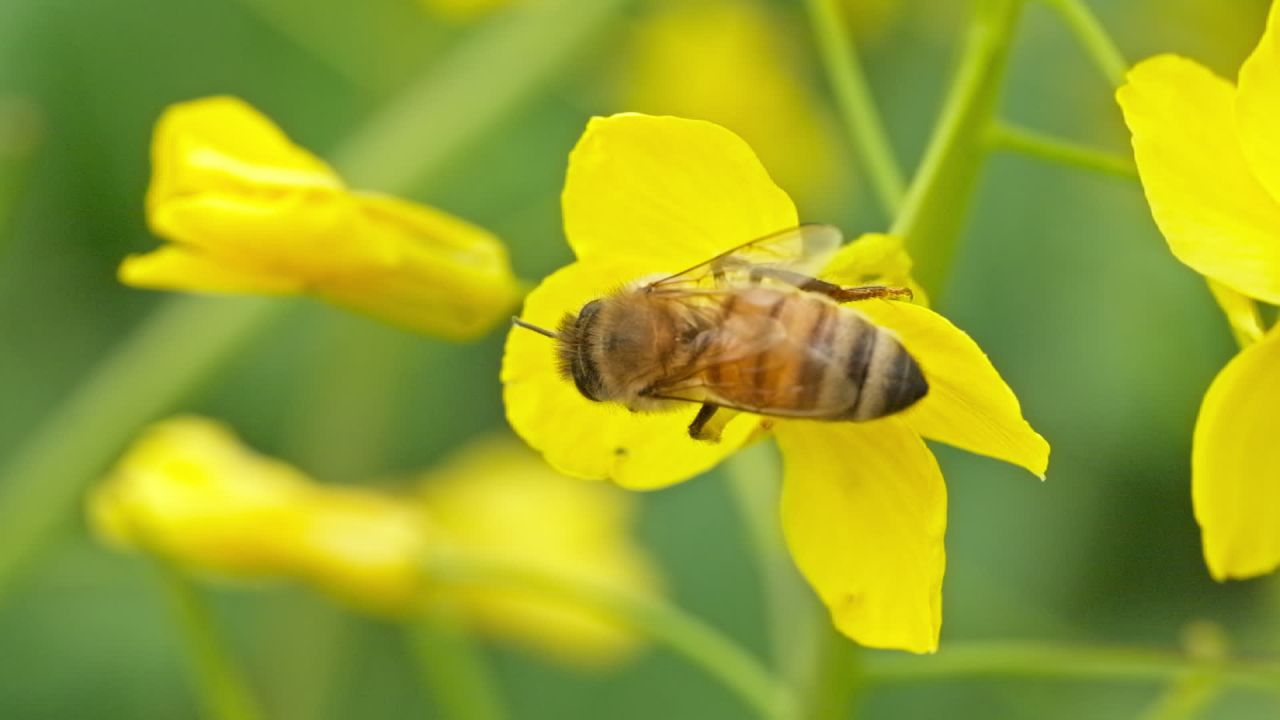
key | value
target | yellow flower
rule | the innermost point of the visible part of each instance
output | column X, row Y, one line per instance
column 189, row 491
column 247, row 211
column 864, row 505
column 497, row 501
column 692, row 59
column 1208, row 153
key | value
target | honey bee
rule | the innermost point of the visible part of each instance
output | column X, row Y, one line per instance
column 750, row 330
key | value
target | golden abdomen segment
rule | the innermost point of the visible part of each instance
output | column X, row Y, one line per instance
column 823, row 361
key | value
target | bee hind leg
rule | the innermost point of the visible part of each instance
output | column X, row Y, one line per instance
column 836, row 292
column 709, row 423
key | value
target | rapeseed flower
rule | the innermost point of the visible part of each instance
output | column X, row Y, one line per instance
column 864, row 505
column 190, row 492
column 247, row 211
column 1208, row 153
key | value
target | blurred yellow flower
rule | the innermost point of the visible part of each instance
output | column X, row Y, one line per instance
column 1208, row 153
column 728, row 61
column 498, row 501
column 247, row 211
column 190, row 492
column 864, row 505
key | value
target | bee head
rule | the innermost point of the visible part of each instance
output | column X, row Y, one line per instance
column 573, row 350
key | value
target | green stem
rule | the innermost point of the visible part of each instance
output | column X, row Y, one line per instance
column 453, row 669
column 857, row 107
column 1094, row 38
column 160, row 362
column 838, row 679
column 21, row 130
column 933, row 211
column 1004, row 136
column 790, row 611
column 223, row 689
column 1029, row 660
column 665, row 624
column 188, row 338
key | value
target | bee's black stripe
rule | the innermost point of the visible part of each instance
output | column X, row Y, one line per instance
column 908, row 383
column 864, row 349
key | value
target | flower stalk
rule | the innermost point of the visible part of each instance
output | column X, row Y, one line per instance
column 957, row 661
column 933, row 212
column 1093, row 37
column 453, row 669
column 857, row 107
column 1012, row 138
column 223, row 689
column 665, row 624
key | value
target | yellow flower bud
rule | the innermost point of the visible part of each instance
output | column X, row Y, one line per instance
column 247, row 211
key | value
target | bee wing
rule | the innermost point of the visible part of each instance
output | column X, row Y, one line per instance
column 800, row 250
column 741, row 335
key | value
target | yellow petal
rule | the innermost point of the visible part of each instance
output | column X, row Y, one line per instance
column 968, row 405
column 1257, row 105
column 663, row 193
column 864, row 510
column 874, row 259
column 189, row 491
column 1235, row 464
column 179, row 268
column 689, row 58
column 499, row 502
column 1215, row 215
column 1241, row 311
column 590, row 439
column 309, row 236
column 222, row 144
column 448, row 277
column 362, row 547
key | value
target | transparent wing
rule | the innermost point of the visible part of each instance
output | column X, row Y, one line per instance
column 802, row 250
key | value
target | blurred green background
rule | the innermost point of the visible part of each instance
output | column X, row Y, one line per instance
column 1061, row 277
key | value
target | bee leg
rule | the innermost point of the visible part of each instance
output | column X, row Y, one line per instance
column 709, row 422
column 835, row 292
column 868, row 292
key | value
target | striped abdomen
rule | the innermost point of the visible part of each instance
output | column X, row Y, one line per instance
column 809, row 358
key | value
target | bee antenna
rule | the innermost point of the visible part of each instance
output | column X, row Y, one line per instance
column 530, row 326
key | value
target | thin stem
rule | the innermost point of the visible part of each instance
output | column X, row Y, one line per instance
column 1030, row 660
column 790, row 611
column 1005, row 136
column 838, row 679
column 857, row 107
column 1094, row 38
column 933, row 211
column 718, row 656
column 177, row 348
column 223, row 689
column 453, row 669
